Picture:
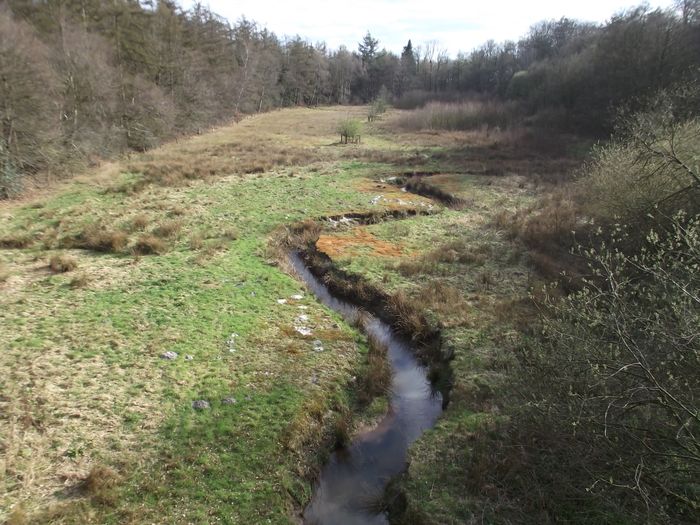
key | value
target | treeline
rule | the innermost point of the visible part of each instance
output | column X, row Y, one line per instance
column 84, row 79
column 574, row 73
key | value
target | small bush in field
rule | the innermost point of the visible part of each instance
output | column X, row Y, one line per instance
column 62, row 263
column 349, row 130
column 101, row 484
column 140, row 222
column 168, row 229
column 100, row 239
column 149, row 245
column 79, row 281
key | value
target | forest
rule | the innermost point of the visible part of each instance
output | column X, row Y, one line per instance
column 89, row 79
column 190, row 206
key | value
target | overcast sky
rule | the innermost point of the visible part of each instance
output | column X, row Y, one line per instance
column 458, row 25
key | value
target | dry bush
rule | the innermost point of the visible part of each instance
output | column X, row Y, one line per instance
column 98, row 238
column 414, row 267
column 62, row 263
column 451, row 253
column 16, row 240
column 460, row 252
column 342, row 428
column 548, row 229
column 196, row 241
column 445, row 300
column 466, row 115
column 486, row 279
column 101, row 484
column 149, row 245
column 409, row 319
column 140, row 222
column 168, row 229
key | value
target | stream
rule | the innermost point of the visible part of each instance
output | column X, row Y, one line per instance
column 352, row 483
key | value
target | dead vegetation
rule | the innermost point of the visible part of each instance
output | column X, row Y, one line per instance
column 548, row 229
column 62, row 263
column 101, row 484
column 98, row 238
column 4, row 273
column 376, row 380
column 149, row 245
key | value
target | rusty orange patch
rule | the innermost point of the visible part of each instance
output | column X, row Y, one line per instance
column 358, row 238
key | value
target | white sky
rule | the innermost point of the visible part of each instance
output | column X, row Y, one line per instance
column 456, row 25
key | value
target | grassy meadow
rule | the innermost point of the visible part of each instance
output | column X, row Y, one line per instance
column 167, row 251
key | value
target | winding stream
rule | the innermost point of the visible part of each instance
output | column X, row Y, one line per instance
column 353, row 481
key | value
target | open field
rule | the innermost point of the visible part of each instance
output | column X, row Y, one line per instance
column 168, row 252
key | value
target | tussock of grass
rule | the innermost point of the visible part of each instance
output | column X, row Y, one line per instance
column 149, row 245
column 101, row 484
column 62, row 263
column 16, row 241
column 79, row 281
column 376, row 380
column 140, row 222
column 98, row 238
column 168, row 229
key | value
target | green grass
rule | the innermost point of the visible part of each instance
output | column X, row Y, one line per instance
column 82, row 383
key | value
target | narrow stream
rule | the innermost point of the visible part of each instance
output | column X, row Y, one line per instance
column 354, row 479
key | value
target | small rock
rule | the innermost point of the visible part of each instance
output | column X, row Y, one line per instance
column 303, row 330
column 169, row 355
column 303, row 318
column 281, row 301
column 189, row 357
column 314, row 379
column 303, row 307
column 231, row 342
column 297, row 297
column 229, row 401
column 200, row 404
column 318, row 346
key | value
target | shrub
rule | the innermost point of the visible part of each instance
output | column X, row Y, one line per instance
column 615, row 374
column 653, row 164
column 349, row 129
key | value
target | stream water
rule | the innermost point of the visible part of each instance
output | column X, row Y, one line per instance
column 353, row 481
